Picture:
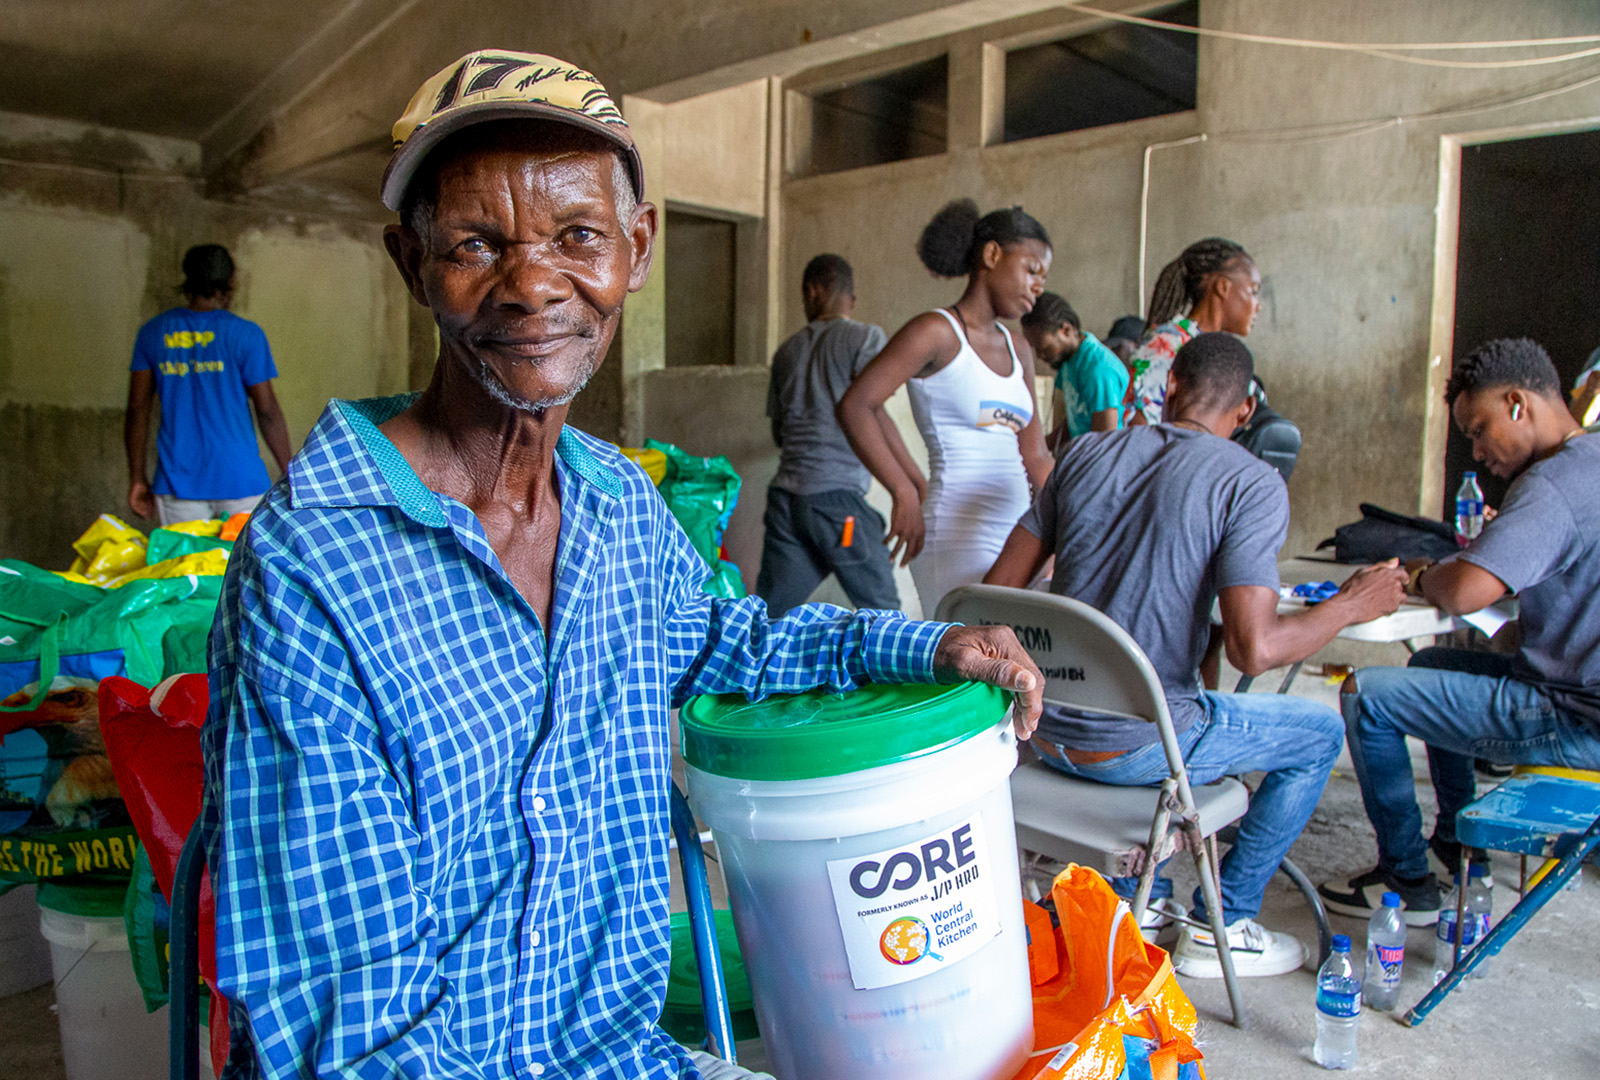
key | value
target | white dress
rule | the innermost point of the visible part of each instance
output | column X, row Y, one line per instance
column 969, row 418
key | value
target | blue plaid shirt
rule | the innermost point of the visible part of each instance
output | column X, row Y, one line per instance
column 440, row 837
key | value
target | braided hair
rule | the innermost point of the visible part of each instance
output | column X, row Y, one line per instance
column 952, row 243
column 1183, row 280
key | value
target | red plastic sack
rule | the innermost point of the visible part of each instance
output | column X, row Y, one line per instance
column 153, row 740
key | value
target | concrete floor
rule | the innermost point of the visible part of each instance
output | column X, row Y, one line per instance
column 1536, row 1016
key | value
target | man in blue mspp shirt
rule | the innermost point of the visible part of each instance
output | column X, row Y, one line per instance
column 209, row 367
column 437, row 754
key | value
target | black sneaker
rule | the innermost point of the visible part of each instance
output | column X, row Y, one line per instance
column 1491, row 770
column 1363, row 894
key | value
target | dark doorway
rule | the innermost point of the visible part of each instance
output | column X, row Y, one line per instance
column 700, row 283
column 1529, row 261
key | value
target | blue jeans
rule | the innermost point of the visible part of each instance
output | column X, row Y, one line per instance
column 1294, row 741
column 1463, row 705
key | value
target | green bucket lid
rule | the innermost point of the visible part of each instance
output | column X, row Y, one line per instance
column 820, row 733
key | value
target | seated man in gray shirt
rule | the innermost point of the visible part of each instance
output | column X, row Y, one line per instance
column 818, row 521
column 1540, row 706
column 1150, row 525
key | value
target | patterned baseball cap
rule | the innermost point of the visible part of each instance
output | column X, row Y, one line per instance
column 498, row 84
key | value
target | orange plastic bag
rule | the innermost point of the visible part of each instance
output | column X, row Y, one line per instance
column 1113, row 995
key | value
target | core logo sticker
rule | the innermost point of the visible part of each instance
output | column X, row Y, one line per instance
column 918, row 907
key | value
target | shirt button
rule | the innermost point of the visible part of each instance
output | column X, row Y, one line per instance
column 533, row 937
column 538, row 804
column 536, row 1069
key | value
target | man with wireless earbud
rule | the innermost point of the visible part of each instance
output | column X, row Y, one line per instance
column 1540, row 706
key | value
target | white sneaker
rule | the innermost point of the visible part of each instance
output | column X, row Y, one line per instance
column 1256, row 951
column 1158, row 915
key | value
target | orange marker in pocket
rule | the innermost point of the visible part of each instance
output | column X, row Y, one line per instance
column 849, row 535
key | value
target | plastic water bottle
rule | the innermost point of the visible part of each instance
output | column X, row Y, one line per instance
column 1338, row 1008
column 1475, row 923
column 1469, row 508
column 1480, row 904
column 1386, row 954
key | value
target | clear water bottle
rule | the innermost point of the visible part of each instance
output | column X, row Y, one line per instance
column 1386, row 954
column 1338, row 1008
column 1475, row 923
column 1469, row 508
column 1480, row 904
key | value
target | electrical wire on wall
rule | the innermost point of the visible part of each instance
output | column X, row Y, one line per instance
column 1386, row 50
column 1340, row 130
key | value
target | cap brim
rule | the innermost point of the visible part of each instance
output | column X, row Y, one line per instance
column 403, row 166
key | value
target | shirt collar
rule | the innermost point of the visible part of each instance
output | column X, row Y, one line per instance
column 348, row 462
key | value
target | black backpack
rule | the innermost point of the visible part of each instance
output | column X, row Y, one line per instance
column 1383, row 534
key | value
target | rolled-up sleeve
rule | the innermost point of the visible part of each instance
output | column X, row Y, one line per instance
column 324, row 935
column 731, row 646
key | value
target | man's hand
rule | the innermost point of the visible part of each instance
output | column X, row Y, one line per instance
column 1374, row 591
column 992, row 654
column 906, row 529
column 140, row 501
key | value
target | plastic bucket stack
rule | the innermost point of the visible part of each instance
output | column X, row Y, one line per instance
column 105, row 1030
column 870, row 855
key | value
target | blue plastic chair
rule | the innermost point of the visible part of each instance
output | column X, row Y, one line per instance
column 1550, row 813
column 184, row 1031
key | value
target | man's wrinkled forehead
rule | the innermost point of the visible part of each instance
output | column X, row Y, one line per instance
column 551, row 153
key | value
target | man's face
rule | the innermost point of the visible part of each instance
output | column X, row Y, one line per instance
column 1502, row 445
column 525, row 264
column 1055, row 346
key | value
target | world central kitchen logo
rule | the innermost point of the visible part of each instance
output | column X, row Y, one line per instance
column 945, row 862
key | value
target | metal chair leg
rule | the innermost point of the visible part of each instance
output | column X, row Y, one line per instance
column 1158, row 833
column 696, row 885
column 183, row 1019
column 1219, row 929
column 1318, row 912
column 1513, row 921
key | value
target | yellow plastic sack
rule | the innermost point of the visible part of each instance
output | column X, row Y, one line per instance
column 205, row 527
column 201, row 563
column 653, row 462
column 107, row 549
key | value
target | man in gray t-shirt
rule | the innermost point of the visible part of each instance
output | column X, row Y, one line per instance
column 817, row 520
column 1151, row 525
column 1539, row 707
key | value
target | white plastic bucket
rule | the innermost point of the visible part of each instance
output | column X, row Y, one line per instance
column 24, row 954
column 789, row 850
column 105, row 1031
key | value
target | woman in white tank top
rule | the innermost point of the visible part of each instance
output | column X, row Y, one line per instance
column 971, row 389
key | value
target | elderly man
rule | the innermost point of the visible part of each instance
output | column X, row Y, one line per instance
column 437, row 755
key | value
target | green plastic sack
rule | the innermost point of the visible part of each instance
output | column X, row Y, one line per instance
column 701, row 492
column 170, row 544
column 149, row 921
column 62, row 819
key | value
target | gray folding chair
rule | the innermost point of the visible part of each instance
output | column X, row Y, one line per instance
column 1091, row 665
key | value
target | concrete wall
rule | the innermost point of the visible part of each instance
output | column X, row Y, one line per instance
column 94, row 228
column 1299, row 165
